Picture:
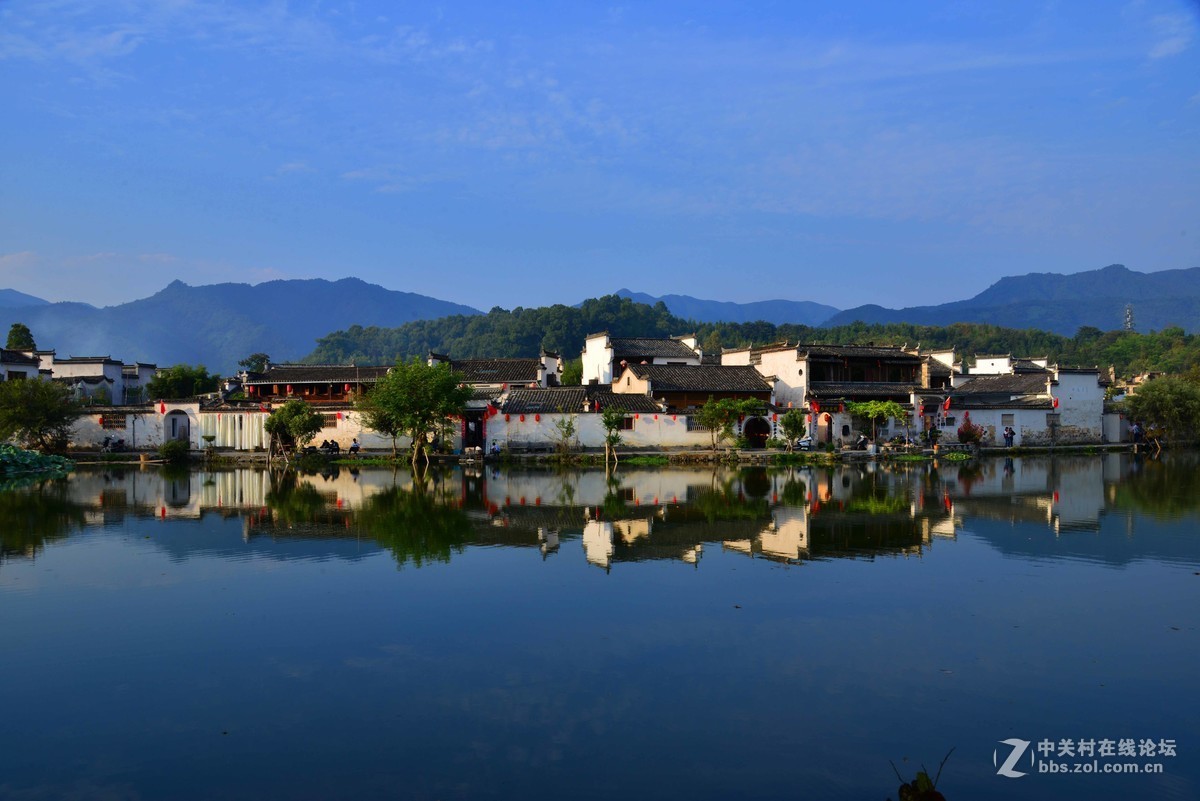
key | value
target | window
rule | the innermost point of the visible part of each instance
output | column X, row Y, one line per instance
column 329, row 419
column 693, row 424
column 1008, row 419
column 627, row 424
column 1052, row 418
column 112, row 422
column 16, row 375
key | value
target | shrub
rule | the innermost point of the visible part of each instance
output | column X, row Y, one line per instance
column 968, row 432
column 174, row 451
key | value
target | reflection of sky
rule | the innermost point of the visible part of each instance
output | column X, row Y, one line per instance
column 502, row 675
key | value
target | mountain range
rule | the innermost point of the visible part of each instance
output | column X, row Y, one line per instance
column 805, row 312
column 219, row 324
column 1061, row 304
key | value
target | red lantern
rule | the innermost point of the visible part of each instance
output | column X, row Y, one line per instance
column 1054, row 401
column 674, row 417
column 656, row 417
column 522, row 418
column 346, row 387
column 774, row 418
column 537, row 417
column 100, row 419
column 162, row 408
column 507, row 418
column 637, row 417
column 816, row 407
column 339, row 415
column 289, row 389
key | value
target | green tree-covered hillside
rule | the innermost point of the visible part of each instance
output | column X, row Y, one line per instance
column 522, row 332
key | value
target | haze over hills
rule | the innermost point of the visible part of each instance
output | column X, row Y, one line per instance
column 11, row 298
column 1061, row 303
column 804, row 312
column 219, row 324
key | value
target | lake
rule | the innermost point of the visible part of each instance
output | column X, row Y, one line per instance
column 656, row 633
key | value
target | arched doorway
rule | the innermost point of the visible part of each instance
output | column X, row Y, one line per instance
column 757, row 431
column 176, row 426
column 825, row 428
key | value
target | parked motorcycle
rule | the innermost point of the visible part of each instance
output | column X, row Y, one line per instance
column 112, row 445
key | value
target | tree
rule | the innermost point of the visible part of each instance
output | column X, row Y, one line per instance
column 255, row 362
column 36, row 413
column 1170, row 405
column 720, row 416
column 20, row 338
column 416, row 399
column 613, row 420
column 566, row 427
column 793, row 426
column 572, row 374
column 294, row 423
column 379, row 419
column 876, row 411
column 182, row 381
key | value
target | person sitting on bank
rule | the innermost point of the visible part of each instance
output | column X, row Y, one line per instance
column 354, row 447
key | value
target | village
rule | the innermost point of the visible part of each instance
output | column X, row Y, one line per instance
column 518, row 405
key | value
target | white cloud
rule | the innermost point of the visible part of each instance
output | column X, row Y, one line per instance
column 1174, row 33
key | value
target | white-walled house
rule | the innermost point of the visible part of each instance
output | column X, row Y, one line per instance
column 604, row 357
column 1044, row 405
column 16, row 365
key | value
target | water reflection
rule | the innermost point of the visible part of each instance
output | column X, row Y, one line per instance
column 785, row 515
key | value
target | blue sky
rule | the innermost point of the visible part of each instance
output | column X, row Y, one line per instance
column 522, row 154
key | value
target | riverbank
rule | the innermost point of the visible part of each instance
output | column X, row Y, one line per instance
column 629, row 458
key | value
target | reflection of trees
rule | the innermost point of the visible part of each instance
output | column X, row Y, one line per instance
column 1163, row 489
column 31, row 517
column 292, row 501
column 415, row 525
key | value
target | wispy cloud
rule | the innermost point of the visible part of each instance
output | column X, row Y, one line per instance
column 1173, row 34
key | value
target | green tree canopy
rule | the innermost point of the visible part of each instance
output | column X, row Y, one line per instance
column 38, row 414
column 182, row 381
column 255, row 362
column 20, row 338
column 793, row 426
column 294, row 423
column 877, row 411
column 1168, row 405
column 416, row 399
column 720, row 416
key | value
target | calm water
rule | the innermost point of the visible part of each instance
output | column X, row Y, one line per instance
column 661, row 634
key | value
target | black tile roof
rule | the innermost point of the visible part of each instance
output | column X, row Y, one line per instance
column 884, row 353
column 628, row 403
column 1018, row 384
column 635, row 349
column 316, row 374
column 566, row 399
column 16, row 357
column 570, row 399
column 701, row 378
column 497, row 371
column 858, row 389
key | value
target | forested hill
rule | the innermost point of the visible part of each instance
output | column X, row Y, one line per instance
column 523, row 332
